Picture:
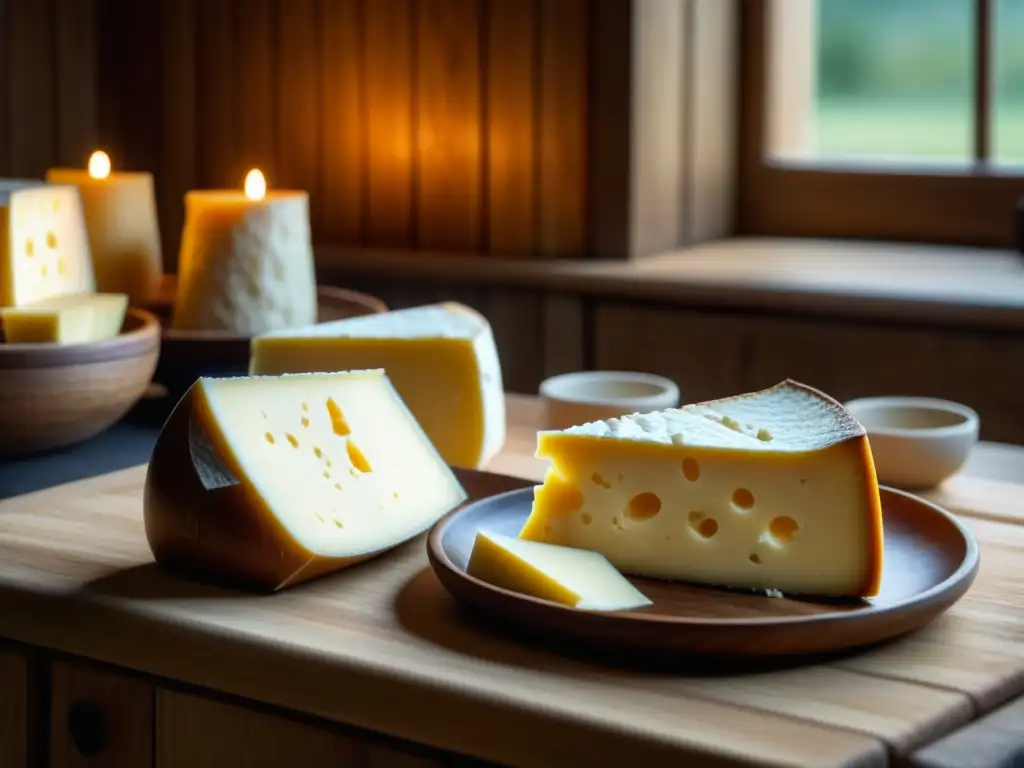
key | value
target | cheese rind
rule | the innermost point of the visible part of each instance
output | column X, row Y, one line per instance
column 44, row 247
column 74, row 319
column 773, row 490
column 271, row 481
column 573, row 577
column 442, row 359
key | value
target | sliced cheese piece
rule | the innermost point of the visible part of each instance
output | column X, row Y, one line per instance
column 574, row 577
column 773, row 490
column 441, row 358
column 270, row 481
column 73, row 319
column 44, row 247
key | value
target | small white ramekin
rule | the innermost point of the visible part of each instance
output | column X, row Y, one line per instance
column 571, row 399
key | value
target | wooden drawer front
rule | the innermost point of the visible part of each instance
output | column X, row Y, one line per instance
column 99, row 718
column 14, row 709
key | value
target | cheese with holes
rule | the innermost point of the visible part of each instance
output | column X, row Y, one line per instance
column 442, row 359
column 270, row 481
column 72, row 319
column 772, row 490
column 574, row 577
column 44, row 248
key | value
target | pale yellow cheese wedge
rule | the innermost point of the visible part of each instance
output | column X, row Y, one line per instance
column 573, row 577
column 774, row 490
column 73, row 319
column 268, row 481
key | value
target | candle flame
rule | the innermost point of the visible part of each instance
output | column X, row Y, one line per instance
column 99, row 164
column 255, row 185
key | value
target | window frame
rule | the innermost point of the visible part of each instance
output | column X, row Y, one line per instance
column 776, row 197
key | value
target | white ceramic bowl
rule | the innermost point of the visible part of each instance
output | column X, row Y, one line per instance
column 917, row 442
column 578, row 398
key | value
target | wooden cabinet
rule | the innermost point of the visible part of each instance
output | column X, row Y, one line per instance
column 15, row 716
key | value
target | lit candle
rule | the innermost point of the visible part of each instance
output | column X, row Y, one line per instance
column 246, row 261
column 120, row 217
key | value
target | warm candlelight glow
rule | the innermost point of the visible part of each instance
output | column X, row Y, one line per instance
column 99, row 164
column 255, row 185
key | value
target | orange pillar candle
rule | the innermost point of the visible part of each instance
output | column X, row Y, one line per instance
column 120, row 217
column 246, row 261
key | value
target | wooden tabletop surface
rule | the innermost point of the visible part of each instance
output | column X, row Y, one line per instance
column 382, row 647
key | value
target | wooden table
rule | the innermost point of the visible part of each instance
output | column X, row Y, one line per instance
column 109, row 662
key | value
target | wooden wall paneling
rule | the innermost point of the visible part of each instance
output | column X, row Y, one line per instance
column 253, row 72
column 342, row 103
column 565, row 334
column 388, row 76
column 196, row 732
column 517, row 319
column 449, row 195
column 562, row 169
column 99, row 718
column 4, row 91
column 178, row 169
column 77, row 96
column 216, row 139
column 706, row 355
column 511, row 124
column 15, row 715
column 298, row 100
column 29, row 49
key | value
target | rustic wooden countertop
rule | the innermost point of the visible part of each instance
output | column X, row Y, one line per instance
column 382, row 647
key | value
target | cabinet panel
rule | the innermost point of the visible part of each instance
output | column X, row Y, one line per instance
column 99, row 718
column 14, row 709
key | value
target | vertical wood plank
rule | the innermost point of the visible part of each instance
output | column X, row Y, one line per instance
column 564, row 334
column 179, row 166
column 125, row 705
column 253, row 105
column 195, row 732
column 563, row 122
column 511, row 126
column 4, row 91
column 298, row 129
column 516, row 319
column 137, row 62
column 388, row 72
column 30, row 82
column 342, row 104
column 448, row 187
column 217, row 133
column 75, row 24
column 14, row 709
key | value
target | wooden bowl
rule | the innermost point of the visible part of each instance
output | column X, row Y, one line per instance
column 187, row 355
column 52, row 396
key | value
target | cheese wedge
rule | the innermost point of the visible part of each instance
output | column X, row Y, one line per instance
column 773, row 490
column 270, row 481
column 74, row 319
column 574, row 577
column 44, row 247
column 441, row 358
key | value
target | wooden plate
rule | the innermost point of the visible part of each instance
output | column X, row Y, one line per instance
column 931, row 560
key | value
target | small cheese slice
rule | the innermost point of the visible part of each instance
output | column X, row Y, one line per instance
column 574, row 577
column 442, row 359
column 773, row 490
column 44, row 247
column 270, row 481
column 72, row 319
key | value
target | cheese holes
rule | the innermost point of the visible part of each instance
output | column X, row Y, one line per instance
column 338, row 524
column 742, row 499
column 327, row 475
column 755, row 558
column 269, row 438
column 305, row 421
column 305, row 407
column 586, row 519
column 643, row 506
column 337, row 486
column 702, row 525
column 598, row 480
column 292, row 439
column 51, row 239
column 338, row 422
column 62, row 268
column 317, row 452
column 44, row 270
column 30, row 248
column 320, row 518
column 357, row 458
column 691, row 469
column 782, row 529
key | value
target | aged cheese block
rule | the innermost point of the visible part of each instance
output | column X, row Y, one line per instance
column 441, row 358
column 246, row 266
column 773, row 490
column 72, row 319
column 573, row 577
column 270, row 481
column 44, row 248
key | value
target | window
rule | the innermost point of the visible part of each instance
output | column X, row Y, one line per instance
column 882, row 119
